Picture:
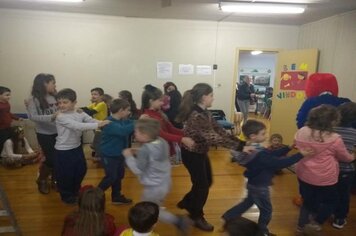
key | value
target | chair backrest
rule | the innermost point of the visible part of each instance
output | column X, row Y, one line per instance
column 218, row 114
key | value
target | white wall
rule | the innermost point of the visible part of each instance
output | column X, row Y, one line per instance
column 85, row 51
column 336, row 39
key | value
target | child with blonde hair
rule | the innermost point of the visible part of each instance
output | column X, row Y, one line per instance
column 151, row 164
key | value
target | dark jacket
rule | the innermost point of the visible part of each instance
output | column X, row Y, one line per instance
column 262, row 164
column 244, row 91
column 173, row 110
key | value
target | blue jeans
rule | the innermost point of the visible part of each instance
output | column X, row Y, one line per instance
column 343, row 188
column 319, row 201
column 256, row 195
column 114, row 172
column 244, row 105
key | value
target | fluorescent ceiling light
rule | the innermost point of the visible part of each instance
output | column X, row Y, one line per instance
column 256, row 52
column 261, row 8
column 55, row 0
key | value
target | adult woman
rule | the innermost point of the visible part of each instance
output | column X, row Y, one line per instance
column 205, row 131
column 170, row 89
column 244, row 93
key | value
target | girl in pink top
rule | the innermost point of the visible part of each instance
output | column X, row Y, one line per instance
column 318, row 174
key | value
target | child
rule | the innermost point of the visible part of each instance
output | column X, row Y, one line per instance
column 318, row 175
column 275, row 142
column 91, row 218
column 127, row 95
column 98, row 108
column 70, row 164
column 152, row 101
column 17, row 152
column 6, row 116
column 113, row 141
column 347, row 169
column 205, row 131
column 153, row 168
column 241, row 226
column 142, row 218
column 107, row 99
column 260, row 167
column 97, row 135
column 135, row 113
column 42, row 110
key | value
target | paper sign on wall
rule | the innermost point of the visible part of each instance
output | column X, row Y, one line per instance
column 164, row 70
column 204, row 70
column 186, row 69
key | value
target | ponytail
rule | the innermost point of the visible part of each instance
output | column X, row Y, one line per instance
column 185, row 107
column 190, row 98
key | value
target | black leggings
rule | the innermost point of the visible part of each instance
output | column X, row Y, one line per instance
column 47, row 142
column 199, row 169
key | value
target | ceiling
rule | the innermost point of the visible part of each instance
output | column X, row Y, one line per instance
column 186, row 9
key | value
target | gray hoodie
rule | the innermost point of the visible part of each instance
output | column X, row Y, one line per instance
column 43, row 118
column 152, row 164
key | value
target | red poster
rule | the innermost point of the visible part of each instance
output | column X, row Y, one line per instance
column 293, row 80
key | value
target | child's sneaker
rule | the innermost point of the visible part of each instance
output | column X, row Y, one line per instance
column 312, row 228
column 121, row 200
column 339, row 223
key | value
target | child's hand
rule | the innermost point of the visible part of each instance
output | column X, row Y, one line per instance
column 26, row 102
column 293, row 146
column 307, row 152
column 128, row 152
column 144, row 116
column 249, row 149
column 188, row 142
column 54, row 116
column 103, row 123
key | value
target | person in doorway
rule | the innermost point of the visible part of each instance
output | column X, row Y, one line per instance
column 244, row 94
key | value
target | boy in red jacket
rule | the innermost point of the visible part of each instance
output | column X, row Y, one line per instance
column 6, row 116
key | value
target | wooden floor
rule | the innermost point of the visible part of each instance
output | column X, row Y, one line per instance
column 40, row 214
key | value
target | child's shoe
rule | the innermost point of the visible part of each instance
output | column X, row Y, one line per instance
column 339, row 223
column 70, row 201
column 183, row 225
column 312, row 228
column 43, row 186
column 121, row 200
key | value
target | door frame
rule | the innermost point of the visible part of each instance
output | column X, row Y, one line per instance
column 236, row 65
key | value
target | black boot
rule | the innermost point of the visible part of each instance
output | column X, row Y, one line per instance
column 202, row 224
column 42, row 180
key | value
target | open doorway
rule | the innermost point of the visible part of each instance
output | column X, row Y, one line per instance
column 258, row 70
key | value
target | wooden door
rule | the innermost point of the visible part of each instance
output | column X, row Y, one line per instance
column 292, row 71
